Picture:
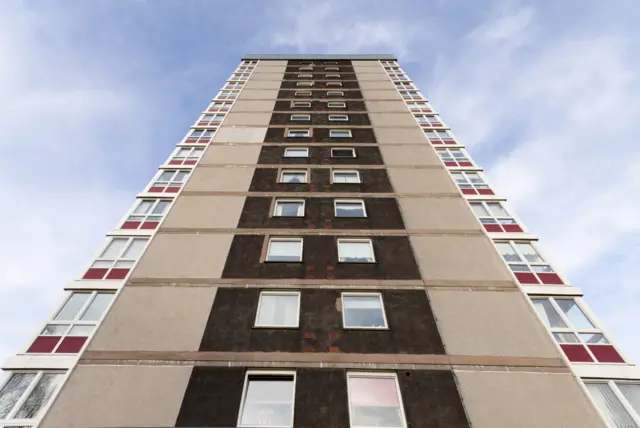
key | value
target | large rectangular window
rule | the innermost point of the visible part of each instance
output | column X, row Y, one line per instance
column 117, row 258
column 200, row 136
column 618, row 401
column 471, row 183
column 526, row 263
column 355, row 251
column 289, row 208
column 494, row 217
column 267, row 399
column 293, row 176
column 350, row 208
column 363, row 310
column 277, row 309
column 25, row 395
column 374, row 400
column 147, row 214
column 169, row 181
column 284, row 250
column 346, row 176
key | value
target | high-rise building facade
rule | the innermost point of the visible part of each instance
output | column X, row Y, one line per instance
column 320, row 251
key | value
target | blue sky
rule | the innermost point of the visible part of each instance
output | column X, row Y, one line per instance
column 95, row 94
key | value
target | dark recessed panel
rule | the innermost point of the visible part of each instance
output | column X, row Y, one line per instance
column 320, row 94
column 364, row 155
column 319, row 135
column 321, row 84
column 320, row 119
column 372, row 181
column 350, row 106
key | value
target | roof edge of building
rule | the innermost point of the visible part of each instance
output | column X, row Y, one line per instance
column 357, row 57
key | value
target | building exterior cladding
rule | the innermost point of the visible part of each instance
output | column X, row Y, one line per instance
column 320, row 251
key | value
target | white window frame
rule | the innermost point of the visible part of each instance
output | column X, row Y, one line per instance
column 456, row 155
column 293, row 171
column 287, row 239
column 335, row 93
column 359, row 241
column 172, row 183
column 233, row 86
column 302, row 94
column 334, row 83
column 305, row 76
column 613, row 385
column 305, row 68
column 300, row 104
column 338, row 118
column 287, row 149
column 331, row 69
column 349, row 201
column 429, row 120
column 304, row 84
column 365, row 294
column 411, row 95
column 439, row 139
column 420, row 107
column 307, row 130
column 193, row 154
column 278, row 293
column 289, row 200
column 219, row 107
column 523, row 260
column 226, row 94
column 333, row 175
column 9, row 421
column 353, row 152
column 118, row 260
column 336, row 104
column 199, row 136
column 347, row 131
column 492, row 218
column 211, row 119
column 468, row 182
column 379, row 375
column 300, row 117
column 245, row 388
column 332, row 76
column 148, row 216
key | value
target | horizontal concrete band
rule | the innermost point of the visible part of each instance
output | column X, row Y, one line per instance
column 343, row 125
column 322, row 232
column 318, row 194
column 317, row 166
column 326, row 57
column 293, row 359
column 316, row 144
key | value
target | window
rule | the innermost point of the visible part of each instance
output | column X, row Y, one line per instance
column 302, row 93
column 363, row 310
column 355, row 251
column 284, row 250
column 411, row 95
column 328, row 84
column 293, row 176
column 243, row 69
column 346, row 176
column 397, row 75
column 300, row 117
column 308, row 84
column 427, row 121
column 494, row 217
column 350, row 208
column 439, row 137
column 471, row 183
column 73, row 324
column 343, row 152
column 211, row 120
column 618, row 401
column 336, row 104
column 301, row 104
column 240, row 76
column 331, row 62
column 169, row 181
column 374, row 400
column 335, row 94
column 577, row 335
column 305, row 76
column 186, row 156
column 233, row 85
column 420, row 107
column 147, row 214
column 246, row 62
column 296, row 152
column 527, row 265
column 289, row 208
column 331, row 69
column 278, row 309
column 332, row 76
column 25, row 395
column 306, row 68
column 227, row 95
column 298, row 133
column 267, row 399
column 340, row 133
column 215, row 107
column 404, row 85
column 338, row 118
column 454, row 157
column 117, row 259
column 200, row 136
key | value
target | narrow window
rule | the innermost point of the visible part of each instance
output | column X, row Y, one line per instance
column 335, row 94
column 340, row 133
column 300, row 117
column 338, row 118
column 341, row 152
column 298, row 133
column 336, row 104
column 301, row 104
column 296, row 152
column 346, row 176
column 302, row 93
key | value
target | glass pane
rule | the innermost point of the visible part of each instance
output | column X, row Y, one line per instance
column 39, row 397
column 355, row 252
column 135, row 249
column 54, row 330
column 474, row 178
column 143, row 207
column 566, row 338
column 574, row 313
column 73, row 305
column 362, row 311
column 161, row 207
column 548, row 313
column 290, row 209
column 374, row 402
column 296, row 153
column 459, row 178
column 349, row 209
column 479, row 209
column 508, row 252
column 114, row 248
column 181, row 176
column 268, row 403
column 631, row 392
column 610, row 406
column 529, row 252
column 278, row 310
column 342, row 153
column 183, row 152
column 520, row 268
column 97, row 307
column 293, row 177
column 542, row 268
column 80, row 330
column 12, row 391
column 594, row 338
column 123, row 264
column 345, row 177
column 166, row 176
column 497, row 209
column 285, row 251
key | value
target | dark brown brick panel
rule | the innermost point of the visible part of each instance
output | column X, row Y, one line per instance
column 332, row 63
column 412, row 328
column 320, row 135
column 320, row 94
column 319, row 73
column 320, row 106
column 355, row 119
column 365, row 155
column 382, row 213
column 372, row 181
column 394, row 255
column 320, row 68
column 320, row 84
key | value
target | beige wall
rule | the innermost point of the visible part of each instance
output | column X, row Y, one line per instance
column 436, row 213
column 492, row 323
column 253, row 105
column 380, row 94
column 397, row 106
column 237, row 154
column 184, row 255
column 451, row 258
column 213, row 179
column 266, row 76
column 262, row 84
column 525, row 400
column 403, row 119
column 156, row 319
column 240, row 134
column 414, row 154
column 407, row 135
column 235, row 118
column 361, row 64
column 119, row 396
column 378, row 84
column 258, row 94
column 203, row 212
column 372, row 74
column 422, row 181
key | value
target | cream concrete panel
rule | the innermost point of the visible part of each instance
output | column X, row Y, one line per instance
column 205, row 212
column 231, row 154
column 434, row 214
column 253, row 106
column 235, row 118
column 119, row 396
column 369, row 85
column 489, row 323
column 366, row 64
column 453, row 258
column 525, row 400
column 262, row 84
column 240, row 134
column 425, row 181
column 381, row 94
column 371, row 74
column 183, row 255
column 422, row 154
column 211, row 179
column 407, row 135
column 156, row 319
column 404, row 119
column 267, row 76
column 258, row 94
column 397, row 106
column 271, row 63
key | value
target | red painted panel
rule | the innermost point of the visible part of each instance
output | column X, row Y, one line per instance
column 512, row 228
column 466, row 164
column 95, row 273
column 576, row 353
column 606, row 353
column 43, row 344
column 118, row 273
column 175, row 162
column 150, row 225
column 191, row 140
column 451, row 164
column 526, row 278
column 203, row 123
column 71, row 345
column 173, row 189
column 130, row 225
column 485, row 191
column 190, row 162
column 550, row 278
column 468, row 191
column 449, row 142
column 492, row 227
column 156, row 189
